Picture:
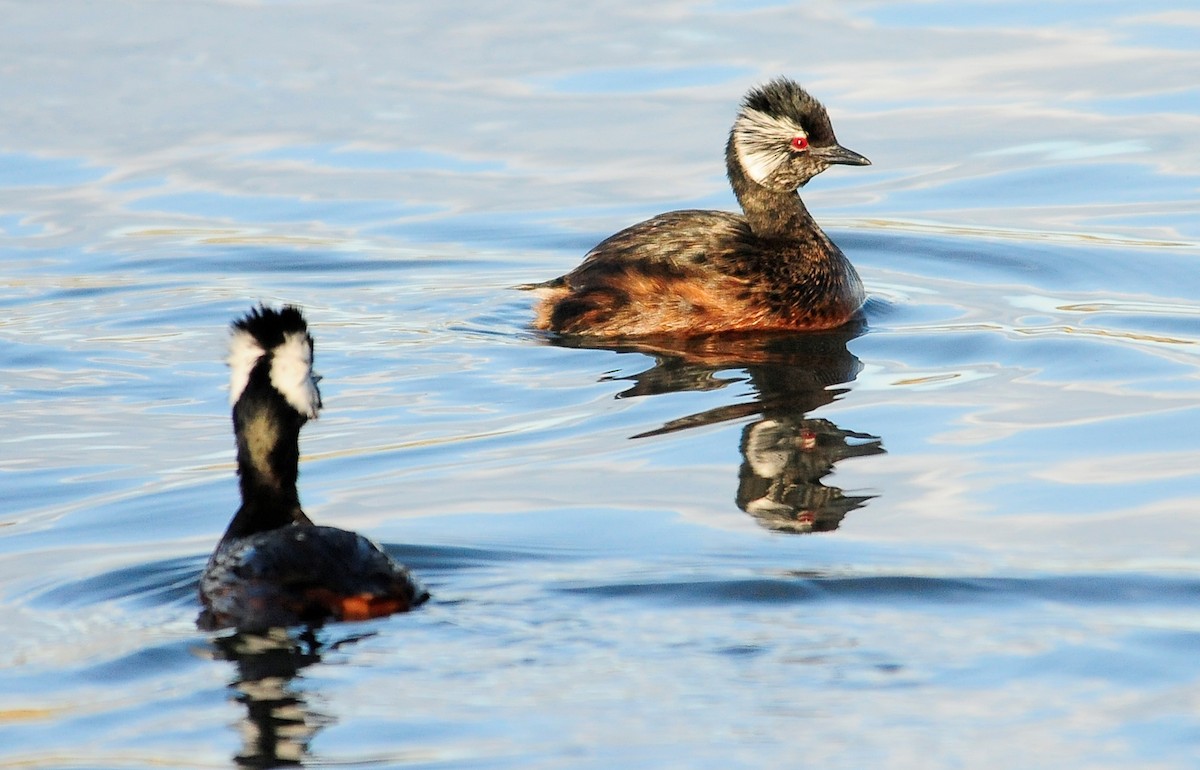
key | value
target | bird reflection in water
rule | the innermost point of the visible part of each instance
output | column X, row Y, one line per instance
column 783, row 462
column 785, row 453
column 279, row 722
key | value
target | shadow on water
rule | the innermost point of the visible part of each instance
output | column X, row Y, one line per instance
column 786, row 454
column 279, row 722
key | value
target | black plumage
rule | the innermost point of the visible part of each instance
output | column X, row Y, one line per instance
column 273, row 566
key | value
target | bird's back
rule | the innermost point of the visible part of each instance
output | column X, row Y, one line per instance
column 671, row 273
column 302, row 574
column 701, row 272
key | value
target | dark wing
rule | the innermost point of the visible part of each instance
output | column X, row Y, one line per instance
column 677, row 272
column 301, row 574
column 673, row 244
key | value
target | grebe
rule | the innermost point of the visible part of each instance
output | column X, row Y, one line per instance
column 701, row 272
column 273, row 566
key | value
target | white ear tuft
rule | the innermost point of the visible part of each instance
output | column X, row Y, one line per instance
column 766, row 449
column 244, row 352
column 761, row 142
column 292, row 374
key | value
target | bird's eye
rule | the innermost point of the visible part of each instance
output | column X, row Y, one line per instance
column 799, row 143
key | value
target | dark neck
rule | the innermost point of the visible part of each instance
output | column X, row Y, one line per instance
column 268, row 456
column 770, row 214
column 815, row 284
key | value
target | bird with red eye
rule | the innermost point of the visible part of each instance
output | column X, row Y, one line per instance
column 697, row 272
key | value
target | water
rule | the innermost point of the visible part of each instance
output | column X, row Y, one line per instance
column 960, row 536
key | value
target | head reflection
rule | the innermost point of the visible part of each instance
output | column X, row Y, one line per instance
column 786, row 454
column 784, row 459
column 279, row 722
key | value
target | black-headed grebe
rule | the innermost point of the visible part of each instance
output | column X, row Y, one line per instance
column 273, row 566
column 701, row 272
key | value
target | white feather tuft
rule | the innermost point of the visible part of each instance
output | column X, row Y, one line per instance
column 766, row 449
column 244, row 352
column 761, row 142
column 292, row 374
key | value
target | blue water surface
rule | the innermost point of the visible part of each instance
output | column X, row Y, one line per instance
column 959, row 535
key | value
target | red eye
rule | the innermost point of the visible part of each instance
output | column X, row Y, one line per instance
column 800, row 143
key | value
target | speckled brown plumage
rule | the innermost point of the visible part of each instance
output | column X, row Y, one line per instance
column 702, row 272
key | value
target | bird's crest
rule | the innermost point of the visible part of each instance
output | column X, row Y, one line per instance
column 283, row 335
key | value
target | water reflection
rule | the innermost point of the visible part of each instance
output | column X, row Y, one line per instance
column 784, row 459
column 279, row 722
column 785, row 453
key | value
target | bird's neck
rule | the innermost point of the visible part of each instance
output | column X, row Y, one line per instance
column 816, row 283
column 268, row 458
column 769, row 213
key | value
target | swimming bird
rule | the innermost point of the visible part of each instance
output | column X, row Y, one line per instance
column 273, row 566
column 700, row 272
